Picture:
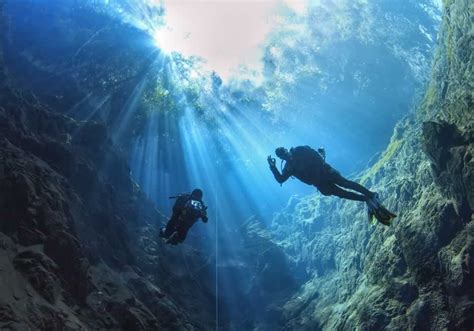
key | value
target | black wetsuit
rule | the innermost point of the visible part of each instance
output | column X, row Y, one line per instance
column 308, row 166
column 184, row 216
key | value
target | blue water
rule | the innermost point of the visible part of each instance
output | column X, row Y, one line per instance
column 340, row 89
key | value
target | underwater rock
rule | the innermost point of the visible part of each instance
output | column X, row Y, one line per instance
column 65, row 250
column 450, row 153
column 272, row 272
column 79, row 246
column 415, row 274
column 45, row 206
column 68, row 208
column 40, row 272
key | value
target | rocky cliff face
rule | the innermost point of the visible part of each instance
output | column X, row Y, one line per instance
column 78, row 244
column 78, row 240
column 417, row 273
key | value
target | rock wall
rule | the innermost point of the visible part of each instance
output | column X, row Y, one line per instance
column 417, row 273
column 78, row 240
column 78, row 244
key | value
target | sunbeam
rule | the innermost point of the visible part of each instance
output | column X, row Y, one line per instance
column 143, row 187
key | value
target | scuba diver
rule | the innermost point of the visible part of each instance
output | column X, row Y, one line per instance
column 187, row 209
column 310, row 167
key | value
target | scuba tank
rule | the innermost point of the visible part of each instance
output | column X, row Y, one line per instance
column 193, row 209
column 191, row 212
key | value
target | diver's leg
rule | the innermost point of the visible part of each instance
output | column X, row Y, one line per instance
column 182, row 233
column 170, row 227
column 341, row 181
column 337, row 191
column 333, row 189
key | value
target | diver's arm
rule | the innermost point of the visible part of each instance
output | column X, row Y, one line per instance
column 204, row 213
column 280, row 178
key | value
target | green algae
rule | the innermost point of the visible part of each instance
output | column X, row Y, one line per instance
column 388, row 154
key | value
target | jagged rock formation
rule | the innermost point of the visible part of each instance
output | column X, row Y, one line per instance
column 78, row 246
column 263, row 278
column 417, row 273
column 80, row 239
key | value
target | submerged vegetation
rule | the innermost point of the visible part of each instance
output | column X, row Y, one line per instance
column 99, row 126
column 385, row 157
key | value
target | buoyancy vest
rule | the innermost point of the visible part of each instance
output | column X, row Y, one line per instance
column 307, row 164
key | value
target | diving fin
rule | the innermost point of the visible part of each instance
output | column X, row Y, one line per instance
column 385, row 214
column 382, row 214
column 370, row 215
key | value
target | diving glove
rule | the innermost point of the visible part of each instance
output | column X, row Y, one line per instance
column 271, row 161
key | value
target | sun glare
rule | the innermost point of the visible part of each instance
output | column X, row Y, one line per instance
column 227, row 35
column 163, row 40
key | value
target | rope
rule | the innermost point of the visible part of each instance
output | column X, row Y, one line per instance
column 217, row 274
column 192, row 274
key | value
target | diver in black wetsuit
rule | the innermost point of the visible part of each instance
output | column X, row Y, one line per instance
column 309, row 166
column 187, row 209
